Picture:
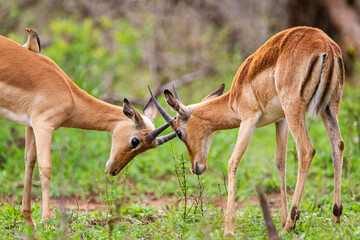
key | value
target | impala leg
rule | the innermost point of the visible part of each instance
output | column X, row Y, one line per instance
column 30, row 160
column 306, row 153
column 329, row 117
column 246, row 132
column 43, row 138
column 282, row 133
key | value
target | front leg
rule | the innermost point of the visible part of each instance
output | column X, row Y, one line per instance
column 282, row 133
column 246, row 132
column 43, row 138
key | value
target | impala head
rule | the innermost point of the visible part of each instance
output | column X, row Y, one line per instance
column 190, row 128
column 134, row 136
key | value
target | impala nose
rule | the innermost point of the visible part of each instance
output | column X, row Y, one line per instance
column 114, row 172
column 199, row 168
column 111, row 171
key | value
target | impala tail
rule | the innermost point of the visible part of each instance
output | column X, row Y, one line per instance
column 330, row 69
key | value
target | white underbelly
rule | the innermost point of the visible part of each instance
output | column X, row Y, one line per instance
column 21, row 119
column 273, row 113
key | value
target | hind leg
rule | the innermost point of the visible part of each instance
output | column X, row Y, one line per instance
column 330, row 119
column 30, row 160
column 296, row 121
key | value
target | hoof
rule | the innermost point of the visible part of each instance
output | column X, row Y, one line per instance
column 30, row 222
column 33, row 224
column 291, row 220
column 337, row 211
column 282, row 225
column 229, row 234
column 295, row 214
column 337, row 219
column 288, row 227
column 28, row 218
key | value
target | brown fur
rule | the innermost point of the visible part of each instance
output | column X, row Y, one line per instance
column 38, row 94
column 309, row 74
column 295, row 71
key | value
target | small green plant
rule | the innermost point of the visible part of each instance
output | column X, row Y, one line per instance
column 181, row 175
column 199, row 195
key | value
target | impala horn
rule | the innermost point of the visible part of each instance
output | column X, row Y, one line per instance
column 165, row 138
column 170, row 120
column 176, row 94
column 150, row 137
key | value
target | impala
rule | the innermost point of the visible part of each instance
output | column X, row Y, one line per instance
column 36, row 93
column 297, row 71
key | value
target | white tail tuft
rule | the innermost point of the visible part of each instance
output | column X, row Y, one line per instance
column 316, row 106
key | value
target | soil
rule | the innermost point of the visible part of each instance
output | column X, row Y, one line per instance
column 92, row 203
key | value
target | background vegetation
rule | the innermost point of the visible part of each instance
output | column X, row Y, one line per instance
column 114, row 49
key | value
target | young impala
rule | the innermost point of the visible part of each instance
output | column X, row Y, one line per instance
column 297, row 71
column 36, row 93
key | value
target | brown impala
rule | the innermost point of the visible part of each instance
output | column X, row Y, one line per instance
column 36, row 93
column 297, row 71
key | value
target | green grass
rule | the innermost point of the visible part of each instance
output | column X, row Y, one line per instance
column 79, row 157
column 82, row 156
column 142, row 222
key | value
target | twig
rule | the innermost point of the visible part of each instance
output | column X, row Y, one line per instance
column 221, row 205
column 184, row 80
column 271, row 229
column 118, row 99
column 15, row 218
column 77, row 209
column 224, row 178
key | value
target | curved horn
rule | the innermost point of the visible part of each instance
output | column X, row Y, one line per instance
column 150, row 137
column 164, row 139
column 165, row 115
column 176, row 94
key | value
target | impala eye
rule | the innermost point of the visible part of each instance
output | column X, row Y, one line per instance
column 135, row 142
column 178, row 133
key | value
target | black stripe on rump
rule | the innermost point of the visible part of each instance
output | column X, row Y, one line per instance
column 309, row 74
column 329, row 80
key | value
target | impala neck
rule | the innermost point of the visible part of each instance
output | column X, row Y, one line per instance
column 217, row 114
column 93, row 114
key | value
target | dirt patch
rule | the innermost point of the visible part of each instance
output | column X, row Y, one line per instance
column 75, row 203
column 93, row 204
column 273, row 200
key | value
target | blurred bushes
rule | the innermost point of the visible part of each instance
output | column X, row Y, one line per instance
column 114, row 56
column 77, row 50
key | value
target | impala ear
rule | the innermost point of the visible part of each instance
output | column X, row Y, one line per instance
column 175, row 104
column 151, row 111
column 218, row 92
column 132, row 113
